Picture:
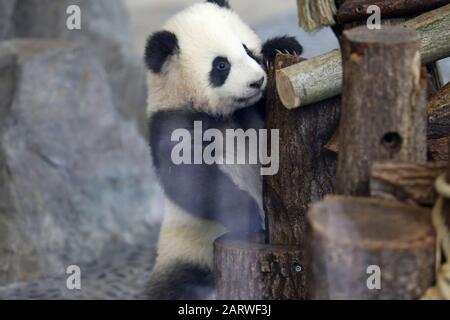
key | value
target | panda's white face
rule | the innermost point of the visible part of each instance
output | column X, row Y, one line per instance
column 211, row 62
column 236, row 78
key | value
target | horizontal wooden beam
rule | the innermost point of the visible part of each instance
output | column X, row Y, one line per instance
column 407, row 182
column 320, row 78
column 356, row 10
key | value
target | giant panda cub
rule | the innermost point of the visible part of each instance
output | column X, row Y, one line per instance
column 205, row 66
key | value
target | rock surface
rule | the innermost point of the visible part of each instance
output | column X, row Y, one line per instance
column 122, row 273
column 75, row 177
column 104, row 30
column 6, row 11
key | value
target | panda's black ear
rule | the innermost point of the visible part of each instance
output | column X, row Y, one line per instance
column 220, row 3
column 160, row 46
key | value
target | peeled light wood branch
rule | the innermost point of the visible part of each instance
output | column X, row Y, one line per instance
column 321, row 77
column 407, row 182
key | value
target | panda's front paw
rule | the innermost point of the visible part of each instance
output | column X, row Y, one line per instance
column 281, row 45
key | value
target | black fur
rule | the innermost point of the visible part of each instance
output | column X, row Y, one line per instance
column 220, row 3
column 283, row 44
column 218, row 77
column 160, row 46
column 251, row 54
column 181, row 281
column 202, row 190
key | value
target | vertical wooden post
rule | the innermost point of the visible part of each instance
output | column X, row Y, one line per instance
column 247, row 269
column 446, row 208
column 358, row 244
column 307, row 171
column 383, row 105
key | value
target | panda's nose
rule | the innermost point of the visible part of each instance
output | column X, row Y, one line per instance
column 257, row 84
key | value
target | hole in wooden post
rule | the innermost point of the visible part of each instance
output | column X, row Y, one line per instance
column 297, row 267
column 359, row 9
column 392, row 141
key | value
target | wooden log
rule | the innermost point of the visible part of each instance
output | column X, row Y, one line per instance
column 412, row 183
column 383, row 104
column 251, row 270
column 434, row 29
column 437, row 149
column 351, row 235
column 321, row 77
column 446, row 209
column 306, row 172
column 254, row 271
column 439, row 114
column 438, row 128
column 356, row 10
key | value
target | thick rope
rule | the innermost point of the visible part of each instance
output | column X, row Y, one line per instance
column 442, row 289
column 316, row 14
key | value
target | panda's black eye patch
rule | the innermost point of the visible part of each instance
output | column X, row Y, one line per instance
column 220, row 71
column 251, row 54
column 221, row 64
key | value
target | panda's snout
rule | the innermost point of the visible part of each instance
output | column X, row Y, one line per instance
column 257, row 84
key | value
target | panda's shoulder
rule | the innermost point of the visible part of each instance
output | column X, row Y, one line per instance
column 167, row 120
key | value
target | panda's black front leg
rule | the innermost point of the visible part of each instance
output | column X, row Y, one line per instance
column 282, row 44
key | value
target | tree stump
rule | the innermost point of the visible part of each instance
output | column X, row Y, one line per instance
column 247, row 269
column 256, row 271
column 383, row 106
column 353, row 238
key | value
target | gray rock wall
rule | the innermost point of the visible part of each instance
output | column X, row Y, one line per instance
column 104, row 29
column 75, row 177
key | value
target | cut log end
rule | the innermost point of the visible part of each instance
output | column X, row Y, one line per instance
column 286, row 90
column 251, row 270
column 350, row 236
column 366, row 222
column 386, row 36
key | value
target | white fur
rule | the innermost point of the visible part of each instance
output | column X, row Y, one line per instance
column 186, row 238
column 205, row 31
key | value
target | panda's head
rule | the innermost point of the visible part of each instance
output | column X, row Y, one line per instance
column 206, row 58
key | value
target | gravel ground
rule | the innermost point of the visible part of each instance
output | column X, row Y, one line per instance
column 119, row 274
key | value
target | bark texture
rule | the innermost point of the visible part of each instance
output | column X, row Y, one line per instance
column 354, row 10
column 307, row 170
column 248, row 270
column 383, row 105
column 352, row 239
column 408, row 182
column 439, row 114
